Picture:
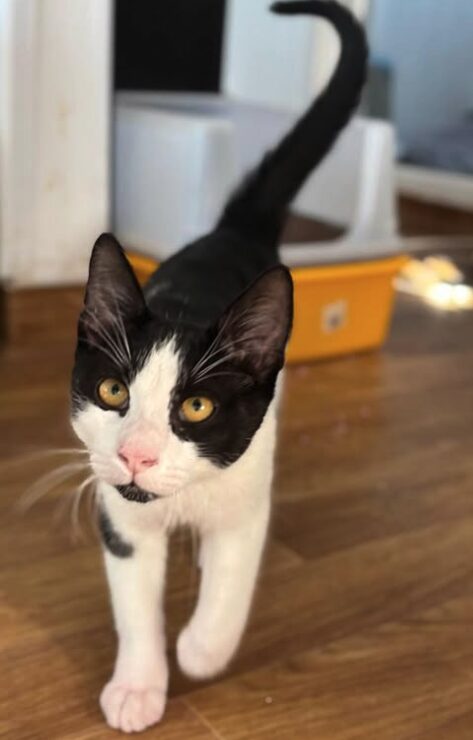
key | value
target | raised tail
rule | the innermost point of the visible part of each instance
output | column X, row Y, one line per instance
column 258, row 208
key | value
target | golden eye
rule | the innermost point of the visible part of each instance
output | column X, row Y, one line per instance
column 113, row 393
column 197, row 408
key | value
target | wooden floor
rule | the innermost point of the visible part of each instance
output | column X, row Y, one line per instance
column 363, row 623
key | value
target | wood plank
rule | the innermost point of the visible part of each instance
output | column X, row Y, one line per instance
column 389, row 683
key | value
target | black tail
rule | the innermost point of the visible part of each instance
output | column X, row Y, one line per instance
column 258, row 208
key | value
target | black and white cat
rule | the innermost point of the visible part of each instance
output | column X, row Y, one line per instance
column 174, row 395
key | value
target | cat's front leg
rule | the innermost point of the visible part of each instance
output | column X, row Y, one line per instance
column 135, row 696
column 230, row 561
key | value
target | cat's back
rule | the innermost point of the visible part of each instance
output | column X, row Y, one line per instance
column 201, row 280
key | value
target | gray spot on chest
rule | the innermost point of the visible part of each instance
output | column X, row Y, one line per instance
column 111, row 538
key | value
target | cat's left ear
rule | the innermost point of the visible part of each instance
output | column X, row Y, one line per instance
column 255, row 329
column 112, row 287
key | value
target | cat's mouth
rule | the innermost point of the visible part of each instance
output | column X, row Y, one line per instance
column 132, row 492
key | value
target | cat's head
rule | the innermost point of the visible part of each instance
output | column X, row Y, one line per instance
column 159, row 404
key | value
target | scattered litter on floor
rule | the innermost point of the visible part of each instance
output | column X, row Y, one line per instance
column 438, row 281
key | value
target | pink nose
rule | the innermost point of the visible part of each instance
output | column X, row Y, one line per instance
column 137, row 459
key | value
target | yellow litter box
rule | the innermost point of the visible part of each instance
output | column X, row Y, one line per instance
column 339, row 308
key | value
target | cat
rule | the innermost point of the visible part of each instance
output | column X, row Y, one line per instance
column 174, row 395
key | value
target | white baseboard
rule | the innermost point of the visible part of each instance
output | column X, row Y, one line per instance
column 436, row 186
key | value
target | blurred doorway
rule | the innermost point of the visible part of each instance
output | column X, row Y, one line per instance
column 173, row 45
column 421, row 58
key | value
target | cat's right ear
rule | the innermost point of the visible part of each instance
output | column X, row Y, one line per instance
column 256, row 327
column 112, row 287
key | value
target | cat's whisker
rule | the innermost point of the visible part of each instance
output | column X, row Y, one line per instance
column 213, row 344
column 211, row 360
column 112, row 344
column 93, row 508
column 118, row 339
column 78, row 494
column 123, row 334
column 111, row 348
column 101, row 348
column 48, row 483
column 60, row 509
column 203, row 366
column 202, row 375
column 29, row 457
column 244, row 380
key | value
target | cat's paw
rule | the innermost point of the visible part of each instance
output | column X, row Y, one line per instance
column 201, row 658
column 129, row 709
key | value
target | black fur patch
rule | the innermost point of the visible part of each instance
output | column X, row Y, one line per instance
column 111, row 539
column 134, row 493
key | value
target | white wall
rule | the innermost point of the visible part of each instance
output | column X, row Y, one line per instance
column 280, row 61
column 266, row 56
column 430, row 45
column 54, row 136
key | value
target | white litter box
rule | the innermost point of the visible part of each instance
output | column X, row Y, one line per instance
column 178, row 157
